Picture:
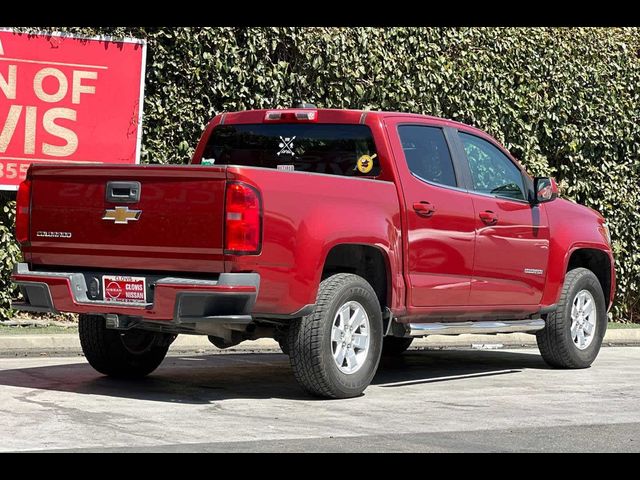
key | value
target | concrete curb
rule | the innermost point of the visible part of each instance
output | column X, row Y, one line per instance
column 11, row 345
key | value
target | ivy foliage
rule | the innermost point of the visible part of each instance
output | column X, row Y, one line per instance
column 565, row 101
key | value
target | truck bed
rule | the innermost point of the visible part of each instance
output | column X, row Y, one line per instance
column 180, row 230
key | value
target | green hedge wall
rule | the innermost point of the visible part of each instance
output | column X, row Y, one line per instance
column 564, row 100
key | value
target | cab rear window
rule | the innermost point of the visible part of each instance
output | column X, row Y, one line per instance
column 332, row 149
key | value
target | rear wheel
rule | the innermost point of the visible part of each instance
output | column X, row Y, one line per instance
column 129, row 354
column 282, row 337
column 394, row 346
column 574, row 331
column 335, row 351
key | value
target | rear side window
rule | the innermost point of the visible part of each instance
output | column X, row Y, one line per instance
column 346, row 150
column 427, row 154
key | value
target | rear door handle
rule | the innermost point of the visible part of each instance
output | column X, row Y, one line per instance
column 424, row 209
column 489, row 217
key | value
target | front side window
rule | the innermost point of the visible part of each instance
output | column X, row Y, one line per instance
column 491, row 170
column 333, row 149
column 427, row 154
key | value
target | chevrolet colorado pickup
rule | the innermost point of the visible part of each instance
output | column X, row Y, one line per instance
column 342, row 234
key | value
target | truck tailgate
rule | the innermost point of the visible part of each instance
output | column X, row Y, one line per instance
column 179, row 226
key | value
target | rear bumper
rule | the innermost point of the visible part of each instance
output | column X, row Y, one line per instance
column 230, row 299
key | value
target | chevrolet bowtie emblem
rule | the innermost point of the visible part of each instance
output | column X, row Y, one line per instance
column 122, row 215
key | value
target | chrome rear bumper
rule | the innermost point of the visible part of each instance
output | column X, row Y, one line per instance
column 229, row 299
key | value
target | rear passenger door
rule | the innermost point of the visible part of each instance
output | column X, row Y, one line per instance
column 439, row 215
column 512, row 236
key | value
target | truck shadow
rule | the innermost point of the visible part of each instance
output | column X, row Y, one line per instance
column 203, row 379
column 431, row 366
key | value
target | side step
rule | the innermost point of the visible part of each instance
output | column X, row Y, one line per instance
column 457, row 328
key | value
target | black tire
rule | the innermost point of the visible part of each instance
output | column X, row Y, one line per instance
column 310, row 345
column 555, row 340
column 284, row 346
column 394, row 346
column 131, row 354
column 282, row 337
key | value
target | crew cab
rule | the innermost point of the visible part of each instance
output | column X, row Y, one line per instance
column 342, row 234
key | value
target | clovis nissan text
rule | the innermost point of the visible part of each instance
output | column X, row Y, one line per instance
column 342, row 234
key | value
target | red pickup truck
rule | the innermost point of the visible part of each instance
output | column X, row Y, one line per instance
column 342, row 234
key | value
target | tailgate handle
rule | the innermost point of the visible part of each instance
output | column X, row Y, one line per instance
column 123, row 192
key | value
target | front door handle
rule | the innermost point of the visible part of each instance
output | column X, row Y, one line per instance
column 489, row 217
column 424, row 209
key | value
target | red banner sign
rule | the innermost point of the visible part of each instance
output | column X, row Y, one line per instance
column 68, row 99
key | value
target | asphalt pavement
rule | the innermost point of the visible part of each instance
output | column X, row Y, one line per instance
column 424, row 401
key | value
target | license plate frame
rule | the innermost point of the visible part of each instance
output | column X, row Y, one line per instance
column 124, row 289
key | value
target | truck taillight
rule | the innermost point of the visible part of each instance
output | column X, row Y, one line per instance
column 23, row 210
column 243, row 220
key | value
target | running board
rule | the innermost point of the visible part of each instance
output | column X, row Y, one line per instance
column 457, row 328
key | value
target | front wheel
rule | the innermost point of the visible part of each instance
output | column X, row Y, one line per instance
column 130, row 354
column 574, row 331
column 335, row 351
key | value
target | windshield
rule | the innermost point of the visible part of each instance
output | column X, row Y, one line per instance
column 331, row 149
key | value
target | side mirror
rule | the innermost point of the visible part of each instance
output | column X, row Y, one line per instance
column 545, row 188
